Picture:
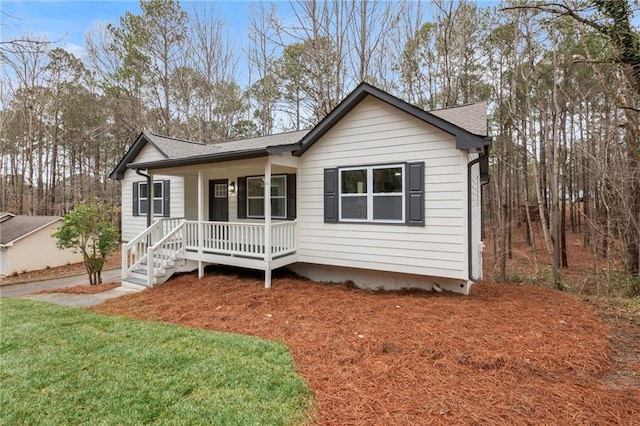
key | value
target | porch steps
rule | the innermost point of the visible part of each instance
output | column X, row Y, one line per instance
column 137, row 279
column 134, row 283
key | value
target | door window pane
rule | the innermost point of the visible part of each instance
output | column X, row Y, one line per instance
column 220, row 190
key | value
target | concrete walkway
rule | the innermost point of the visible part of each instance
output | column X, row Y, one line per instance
column 26, row 290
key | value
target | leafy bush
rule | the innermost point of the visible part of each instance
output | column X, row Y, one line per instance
column 90, row 230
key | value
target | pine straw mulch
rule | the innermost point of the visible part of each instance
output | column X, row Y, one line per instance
column 81, row 289
column 506, row 354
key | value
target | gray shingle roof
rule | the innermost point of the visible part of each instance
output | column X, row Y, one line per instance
column 19, row 226
column 467, row 123
column 180, row 148
column 471, row 117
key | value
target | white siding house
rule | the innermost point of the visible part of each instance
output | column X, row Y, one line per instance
column 380, row 193
column 375, row 133
column 26, row 244
column 136, row 223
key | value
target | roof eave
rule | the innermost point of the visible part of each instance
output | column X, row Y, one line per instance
column 472, row 141
column 200, row 159
column 281, row 149
column 132, row 153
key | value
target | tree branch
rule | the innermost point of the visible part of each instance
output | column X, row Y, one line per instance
column 560, row 9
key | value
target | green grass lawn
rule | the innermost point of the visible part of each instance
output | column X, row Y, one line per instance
column 69, row 366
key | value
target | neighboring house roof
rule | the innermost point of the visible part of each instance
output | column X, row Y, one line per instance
column 467, row 123
column 21, row 226
column 5, row 216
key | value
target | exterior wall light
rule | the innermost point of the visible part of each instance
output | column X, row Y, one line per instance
column 232, row 187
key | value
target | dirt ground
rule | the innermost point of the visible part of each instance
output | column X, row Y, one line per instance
column 113, row 261
column 506, row 354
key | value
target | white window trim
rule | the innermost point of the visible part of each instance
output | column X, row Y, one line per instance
column 261, row 197
column 142, row 201
column 370, row 194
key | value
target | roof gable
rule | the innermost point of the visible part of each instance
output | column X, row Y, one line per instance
column 465, row 138
column 140, row 142
column 20, row 226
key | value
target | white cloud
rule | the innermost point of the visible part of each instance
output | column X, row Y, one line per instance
column 75, row 49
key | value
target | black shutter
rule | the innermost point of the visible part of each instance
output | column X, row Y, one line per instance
column 330, row 195
column 135, row 199
column 291, row 196
column 415, row 194
column 166, row 185
column 242, row 198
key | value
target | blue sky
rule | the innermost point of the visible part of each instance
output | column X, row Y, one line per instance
column 69, row 21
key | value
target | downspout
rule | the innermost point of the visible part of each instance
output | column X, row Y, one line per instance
column 472, row 163
column 149, row 198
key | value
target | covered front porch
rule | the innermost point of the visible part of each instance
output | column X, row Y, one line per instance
column 237, row 213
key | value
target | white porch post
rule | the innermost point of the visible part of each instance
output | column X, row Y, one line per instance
column 150, row 254
column 200, row 220
column 267, row 223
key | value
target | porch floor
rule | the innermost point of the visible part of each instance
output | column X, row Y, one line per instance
column 244, row 260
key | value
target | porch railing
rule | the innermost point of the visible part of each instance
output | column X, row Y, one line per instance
column 135, row 251
column 167, row 239
column 163, row 253
column 240, row 239
column 283, row 238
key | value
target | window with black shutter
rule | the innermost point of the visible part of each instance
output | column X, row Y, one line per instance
column 389, row 193
column 282, row 192
column 160, row 198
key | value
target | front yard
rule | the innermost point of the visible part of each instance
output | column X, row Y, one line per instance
column 68, row 366
column 506, row 354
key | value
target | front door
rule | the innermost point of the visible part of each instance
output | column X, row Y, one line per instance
column 218, row 200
